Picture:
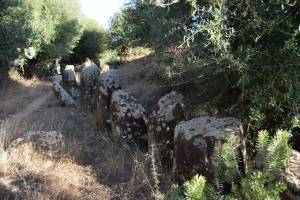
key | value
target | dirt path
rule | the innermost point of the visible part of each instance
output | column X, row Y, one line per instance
column 22, row 114
column 19, row 95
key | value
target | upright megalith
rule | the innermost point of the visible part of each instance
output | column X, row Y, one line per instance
column 127, row 119
column 107, row 83
column 88, row 86
column 69, row 81
column 195, row 142
column 63, row 96
column 161, row 124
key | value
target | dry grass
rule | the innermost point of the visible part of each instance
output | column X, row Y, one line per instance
column 29, row 175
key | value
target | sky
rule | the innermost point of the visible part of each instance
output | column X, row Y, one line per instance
column 101, row 10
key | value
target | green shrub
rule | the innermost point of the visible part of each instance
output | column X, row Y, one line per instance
column 195, row 189
column 110, row 57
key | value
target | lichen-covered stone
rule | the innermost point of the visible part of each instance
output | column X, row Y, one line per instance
column 161, row 124
column 107, row 83
column 195, row 142
column 63, row 96
column 127, row 119
column 88, row 86
column 291, row 176
column 50, row 142
column 69, row 81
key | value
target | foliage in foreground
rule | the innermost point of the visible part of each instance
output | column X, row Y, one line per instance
column 260, row 181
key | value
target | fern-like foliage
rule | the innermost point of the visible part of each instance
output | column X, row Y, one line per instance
column 226, row 161
column 263, row 142
column 194, row 189
column 259, row 186
column 272, row 154
column 278, row 151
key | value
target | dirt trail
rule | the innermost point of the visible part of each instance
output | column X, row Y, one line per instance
column 18, row 117
column 19, row 95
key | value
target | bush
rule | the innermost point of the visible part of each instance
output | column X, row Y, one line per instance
column 110, row 57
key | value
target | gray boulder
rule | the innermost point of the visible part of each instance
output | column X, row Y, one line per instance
column 51, row 142
column 88, row 81
column 62, row 95
column 107, row 83
column 161, row 124
column 291, row 176
column 69, row 81
column 195, row 142
column 127, row 119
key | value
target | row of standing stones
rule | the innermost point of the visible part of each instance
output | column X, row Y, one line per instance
column 180, row 148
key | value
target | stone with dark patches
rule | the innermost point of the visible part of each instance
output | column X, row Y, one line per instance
column 52, row 142
column 69, row 81
column 127, row 119
column 195, row 142
column 161, row 124
column 88, row 81
column 63, row 96
column 291, row 176
column 107, row 83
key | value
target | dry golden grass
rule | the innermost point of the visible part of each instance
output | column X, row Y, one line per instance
column 31, row 175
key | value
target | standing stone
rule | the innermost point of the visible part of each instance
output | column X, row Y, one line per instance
column 291, row 176
column 69, row 81
column 161, row 124
column 195, row 142
column 62, row 95
column 127, row 119
column 107, row 84
column 88, row 80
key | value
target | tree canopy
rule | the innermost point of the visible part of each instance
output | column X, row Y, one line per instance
column 252, row 45
column 50, row 27
column 93, row 41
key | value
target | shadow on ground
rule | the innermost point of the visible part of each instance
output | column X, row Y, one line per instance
column 126, row 172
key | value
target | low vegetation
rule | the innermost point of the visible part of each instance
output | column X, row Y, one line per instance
column 30, row 174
